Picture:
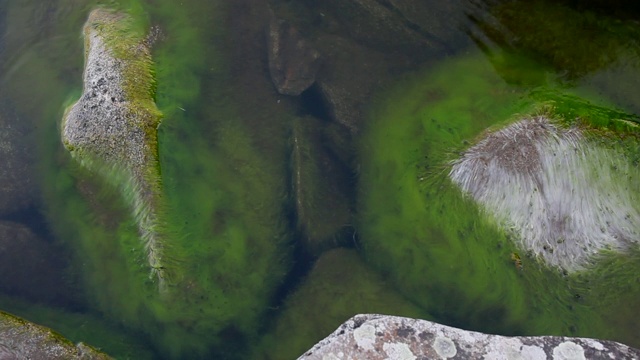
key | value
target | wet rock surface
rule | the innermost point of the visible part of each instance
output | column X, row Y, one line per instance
column 293, row 63
column 20, row 339
column 321, row 188
column 112, row 129
column 388, row 337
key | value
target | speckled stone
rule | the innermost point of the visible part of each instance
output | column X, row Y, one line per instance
column 374, row 337
column 20, row 339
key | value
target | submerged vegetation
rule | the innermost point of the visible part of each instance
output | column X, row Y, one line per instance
column 243, row 198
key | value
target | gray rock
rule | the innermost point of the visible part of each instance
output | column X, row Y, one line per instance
column 112, row 129
column 20, row 339
column 375, row 337
column 17, row 190
column 293, row 63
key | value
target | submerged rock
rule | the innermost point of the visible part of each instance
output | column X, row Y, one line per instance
column 320, row 187
column 293, row 63
column 376, row 337
column 112, row 129
column 563, row 195
column 509, row 227
column 20, row 339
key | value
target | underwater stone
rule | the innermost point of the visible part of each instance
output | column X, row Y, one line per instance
column 564, row 197
column 435, row 341
column 20, row 339
column 112, row 129
column 30, row 267
column 293, row 63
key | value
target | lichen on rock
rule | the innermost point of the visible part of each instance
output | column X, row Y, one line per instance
column 112, row 129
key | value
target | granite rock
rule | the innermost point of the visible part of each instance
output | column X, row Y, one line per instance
column 20, row 339
column 388, row 337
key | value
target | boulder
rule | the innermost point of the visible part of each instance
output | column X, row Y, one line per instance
column 112, row 128
column 564, row 196
column 20, row 339
column 293, row 62
column 321, row 185
column 376, row 337
column 561, row 263
column 339, row 285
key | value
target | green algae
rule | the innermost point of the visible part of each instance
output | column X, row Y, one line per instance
column 224, row 183
column 82, row 327
column 439, row 247
column 339, row 286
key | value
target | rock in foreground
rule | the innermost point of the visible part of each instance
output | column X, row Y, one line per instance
column 388, row 337
column 20, row 339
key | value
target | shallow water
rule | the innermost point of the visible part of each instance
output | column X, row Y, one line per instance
column 244, row 283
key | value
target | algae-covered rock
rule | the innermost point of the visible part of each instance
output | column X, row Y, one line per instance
column 494, row 272
column 563, row 195
column 112, row 129
column 20, row 339
column 339, row 286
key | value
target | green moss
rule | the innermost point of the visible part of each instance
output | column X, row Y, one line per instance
column 338, row 287
column 442, row 251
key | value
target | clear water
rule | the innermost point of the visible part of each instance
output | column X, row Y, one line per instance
column 245, row 287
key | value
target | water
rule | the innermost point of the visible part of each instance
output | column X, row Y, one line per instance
column 244, row 281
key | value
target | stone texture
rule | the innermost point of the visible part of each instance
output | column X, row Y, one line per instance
column 112, row 129
column 565, row 198
column 293, row 62
column 20, row 339
column 321, row 187
column 375, row 337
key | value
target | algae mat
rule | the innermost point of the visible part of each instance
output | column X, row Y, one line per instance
column 448, row 253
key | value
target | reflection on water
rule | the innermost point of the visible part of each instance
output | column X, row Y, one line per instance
column 258, row 189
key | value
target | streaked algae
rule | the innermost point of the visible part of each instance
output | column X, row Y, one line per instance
column 223, row 218
column 439, row 246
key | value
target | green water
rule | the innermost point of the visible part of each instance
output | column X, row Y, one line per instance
column 240, row 287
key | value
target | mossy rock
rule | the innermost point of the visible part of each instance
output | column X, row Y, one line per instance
column 26, row 340
column 112, row 129
column 447, row 252
column 217, row 209
column 339, row 286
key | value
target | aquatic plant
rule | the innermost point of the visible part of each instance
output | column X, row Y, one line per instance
column 443, row 249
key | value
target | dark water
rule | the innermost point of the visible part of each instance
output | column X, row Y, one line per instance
column 287, row 215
